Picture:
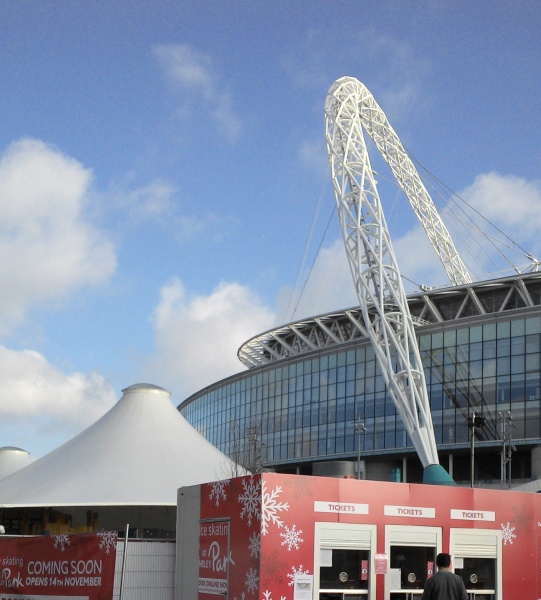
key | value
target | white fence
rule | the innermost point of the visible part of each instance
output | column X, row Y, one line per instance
column 149, row 571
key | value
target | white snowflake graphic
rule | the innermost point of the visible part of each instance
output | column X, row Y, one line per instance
column 252, row 581
column 267, row 595
column 242, row 596
column 299, row 571
column 270, row 507
column 62, row 540
column 251, row 499
column 218, row 491
column 108, row 540
column 292, row 537
column 255, row 545
column 508, row 533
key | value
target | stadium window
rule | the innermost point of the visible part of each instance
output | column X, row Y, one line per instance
column 504, row 347
column 518, row 345
column 503, row 329
column 532, row 362
column 424, row 342
column 518, row 327
column 532, row 343
column 517, row 364
column 463, row 336
column 489, row 368
column 449, row 338
column 489, row 331
column 437, row 340
column 504, row 365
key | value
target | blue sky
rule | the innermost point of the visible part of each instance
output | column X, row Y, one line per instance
column 162, row 167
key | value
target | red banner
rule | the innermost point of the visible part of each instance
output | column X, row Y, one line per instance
column 58, row 567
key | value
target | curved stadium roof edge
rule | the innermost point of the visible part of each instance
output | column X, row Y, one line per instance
column 428, row 307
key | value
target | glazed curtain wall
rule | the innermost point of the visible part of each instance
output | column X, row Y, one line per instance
column 306, row 409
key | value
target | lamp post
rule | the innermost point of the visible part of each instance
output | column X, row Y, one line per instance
column 474, row 420
column 359, row 428
column 507, row 446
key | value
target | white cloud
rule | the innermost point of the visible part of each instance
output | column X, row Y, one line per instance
column 39, row 401
column 511, row 211
column 197, row 337
column 390, row 67
column 328, row 287
column 192, row 71
column 187, row 67
column 47, row 248
column 157, row 203
column 313, row 154
column 417, row 260
column 512, row 204
column 507, row 200
column 398, row 88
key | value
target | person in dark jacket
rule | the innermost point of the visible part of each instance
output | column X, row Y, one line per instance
column 444, row 585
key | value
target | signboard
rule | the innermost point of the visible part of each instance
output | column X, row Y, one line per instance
column 58, row 567
column 381, row 564
column 214, row 557
column 303, row 585
column 409, row 511
column 473, row 515
column 350, row 508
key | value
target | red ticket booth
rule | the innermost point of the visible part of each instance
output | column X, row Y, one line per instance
column 282, row 537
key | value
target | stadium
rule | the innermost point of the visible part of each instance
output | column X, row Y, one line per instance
column 318, row 397
column 313, row 394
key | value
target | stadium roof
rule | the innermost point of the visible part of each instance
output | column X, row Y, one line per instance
column 138, row 453
column 429, row 307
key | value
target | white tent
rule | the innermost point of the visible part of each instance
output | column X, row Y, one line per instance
column 138, row 454
column 12, row 459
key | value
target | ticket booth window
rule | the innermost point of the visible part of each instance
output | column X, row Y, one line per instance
column 343, row 561
column 412, row 552
column 415, row 564
column 349, row 571
column 477, row 557
column 478, row 574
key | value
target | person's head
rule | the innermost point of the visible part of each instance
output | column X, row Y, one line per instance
column 443, row 560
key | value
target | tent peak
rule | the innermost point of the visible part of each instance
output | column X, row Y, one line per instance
column 147, row 387
column 13, row 449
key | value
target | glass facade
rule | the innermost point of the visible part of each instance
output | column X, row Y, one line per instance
column 304, row 409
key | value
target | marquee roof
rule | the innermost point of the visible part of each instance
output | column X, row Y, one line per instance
column 12, row 459
column 138, row 453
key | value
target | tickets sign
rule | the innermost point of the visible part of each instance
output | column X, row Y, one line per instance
column 58, row 566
